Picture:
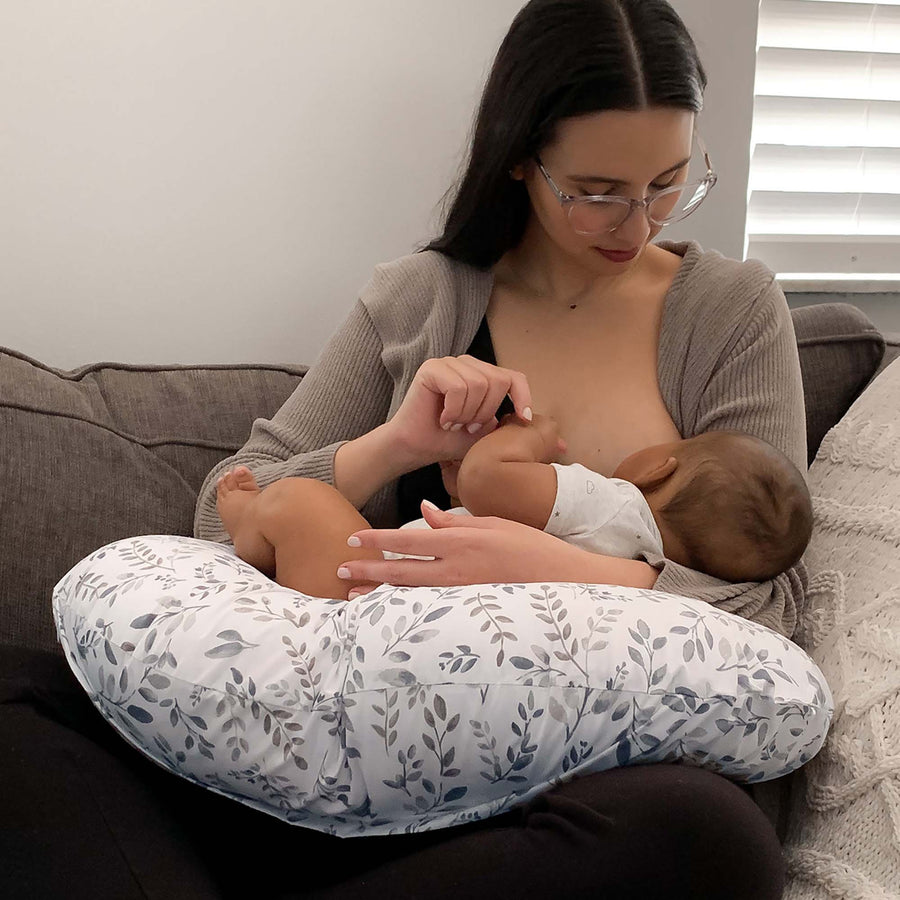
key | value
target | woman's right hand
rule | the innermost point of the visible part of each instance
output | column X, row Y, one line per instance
column 448, row 396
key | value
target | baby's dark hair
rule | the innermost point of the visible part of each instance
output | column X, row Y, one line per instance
column 744, row 512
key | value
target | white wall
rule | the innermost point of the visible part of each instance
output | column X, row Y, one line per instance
column 213, row 180
column 725, row 34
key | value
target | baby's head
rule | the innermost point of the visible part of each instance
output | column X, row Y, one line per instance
column 726, row 503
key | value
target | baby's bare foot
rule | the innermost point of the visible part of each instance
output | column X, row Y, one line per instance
column 237, row 496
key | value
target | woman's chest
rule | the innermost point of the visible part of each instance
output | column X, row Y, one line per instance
column 596, row 374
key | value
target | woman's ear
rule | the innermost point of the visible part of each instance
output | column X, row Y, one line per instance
column 654, row 476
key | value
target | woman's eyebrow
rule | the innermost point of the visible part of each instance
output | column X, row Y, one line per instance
column 599, row 179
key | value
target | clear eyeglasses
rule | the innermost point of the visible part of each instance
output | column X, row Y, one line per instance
column 602, row 213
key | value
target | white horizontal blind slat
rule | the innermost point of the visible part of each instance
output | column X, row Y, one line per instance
column 866, row 27
column 862, row 2
column 826, row 122
column 825, row 170
column 833, row 213
column 870, row 170
column 826, row 73
column 827, row 253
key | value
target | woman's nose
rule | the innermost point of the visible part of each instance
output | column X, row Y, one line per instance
column 635, row 230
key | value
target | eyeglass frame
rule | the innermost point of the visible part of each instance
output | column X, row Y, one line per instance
column 567, row 200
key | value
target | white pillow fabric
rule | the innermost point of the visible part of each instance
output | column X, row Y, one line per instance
column 843, row 835
column 411, row 709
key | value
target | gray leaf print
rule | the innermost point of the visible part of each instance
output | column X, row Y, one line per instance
column 420, row 708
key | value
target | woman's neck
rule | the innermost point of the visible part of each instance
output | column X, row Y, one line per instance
column 538, row 268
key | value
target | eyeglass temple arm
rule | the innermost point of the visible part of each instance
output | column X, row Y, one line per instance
column 705, row 152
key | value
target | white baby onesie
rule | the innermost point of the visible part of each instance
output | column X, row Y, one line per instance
column 599, row 514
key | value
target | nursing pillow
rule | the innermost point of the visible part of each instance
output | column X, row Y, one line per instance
column 410, row 709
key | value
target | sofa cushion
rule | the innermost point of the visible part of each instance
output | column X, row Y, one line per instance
column 107, row 451
column 844, row 824
column 840, row 350
column 112, row 450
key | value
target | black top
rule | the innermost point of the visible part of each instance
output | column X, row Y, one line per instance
column 425, row 483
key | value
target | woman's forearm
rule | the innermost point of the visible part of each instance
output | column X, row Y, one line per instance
column 364, row 465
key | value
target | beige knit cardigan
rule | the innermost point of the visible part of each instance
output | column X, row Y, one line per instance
column 727, row 360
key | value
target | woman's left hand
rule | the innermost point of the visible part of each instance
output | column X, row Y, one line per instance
column 467, row 550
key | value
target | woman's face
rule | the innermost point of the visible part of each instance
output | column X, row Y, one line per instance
column 626, row 153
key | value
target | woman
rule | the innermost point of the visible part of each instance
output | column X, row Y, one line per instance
column 545, row 285
column 625, row 343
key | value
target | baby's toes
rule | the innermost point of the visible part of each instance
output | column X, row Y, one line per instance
column 226, row 482
column 244, row 480
column 221, row 490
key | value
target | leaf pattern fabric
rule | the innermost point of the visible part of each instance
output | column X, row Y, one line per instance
column 410, row 709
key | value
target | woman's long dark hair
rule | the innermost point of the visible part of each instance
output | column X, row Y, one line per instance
column 560, row 58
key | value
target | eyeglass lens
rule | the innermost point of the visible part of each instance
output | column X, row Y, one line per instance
column 597, row 216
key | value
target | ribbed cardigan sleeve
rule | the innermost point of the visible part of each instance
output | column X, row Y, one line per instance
column 753, row 385
column 345, row 393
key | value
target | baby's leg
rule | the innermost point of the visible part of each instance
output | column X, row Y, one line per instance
column 295, row 531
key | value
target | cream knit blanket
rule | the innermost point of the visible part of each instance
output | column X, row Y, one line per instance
column 843, row 836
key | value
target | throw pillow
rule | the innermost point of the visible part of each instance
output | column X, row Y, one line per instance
column 844, row 828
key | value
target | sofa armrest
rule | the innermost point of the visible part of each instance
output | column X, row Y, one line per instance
column 891, row 351
column 840, row 352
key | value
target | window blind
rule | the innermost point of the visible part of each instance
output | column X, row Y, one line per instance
column 825, row 165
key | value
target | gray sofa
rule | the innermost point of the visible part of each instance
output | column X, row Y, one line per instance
column 112, row 450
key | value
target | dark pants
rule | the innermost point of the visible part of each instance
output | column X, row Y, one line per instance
column 82, row 814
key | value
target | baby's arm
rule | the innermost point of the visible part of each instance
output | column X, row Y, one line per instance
column 508, row 472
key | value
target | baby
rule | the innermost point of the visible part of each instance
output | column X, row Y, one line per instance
column 724, row 503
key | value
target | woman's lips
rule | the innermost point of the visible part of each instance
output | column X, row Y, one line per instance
column 619, row 256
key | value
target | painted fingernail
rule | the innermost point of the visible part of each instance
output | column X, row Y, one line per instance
column 430, row 505
column 353, row 595
column 475, row 426
column 343, row 572
column 527, row 414
column 446, row 426
column 457, row 427
column 354, row 541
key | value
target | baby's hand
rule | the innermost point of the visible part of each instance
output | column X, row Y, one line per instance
column 540, row 436
column 514, row 440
